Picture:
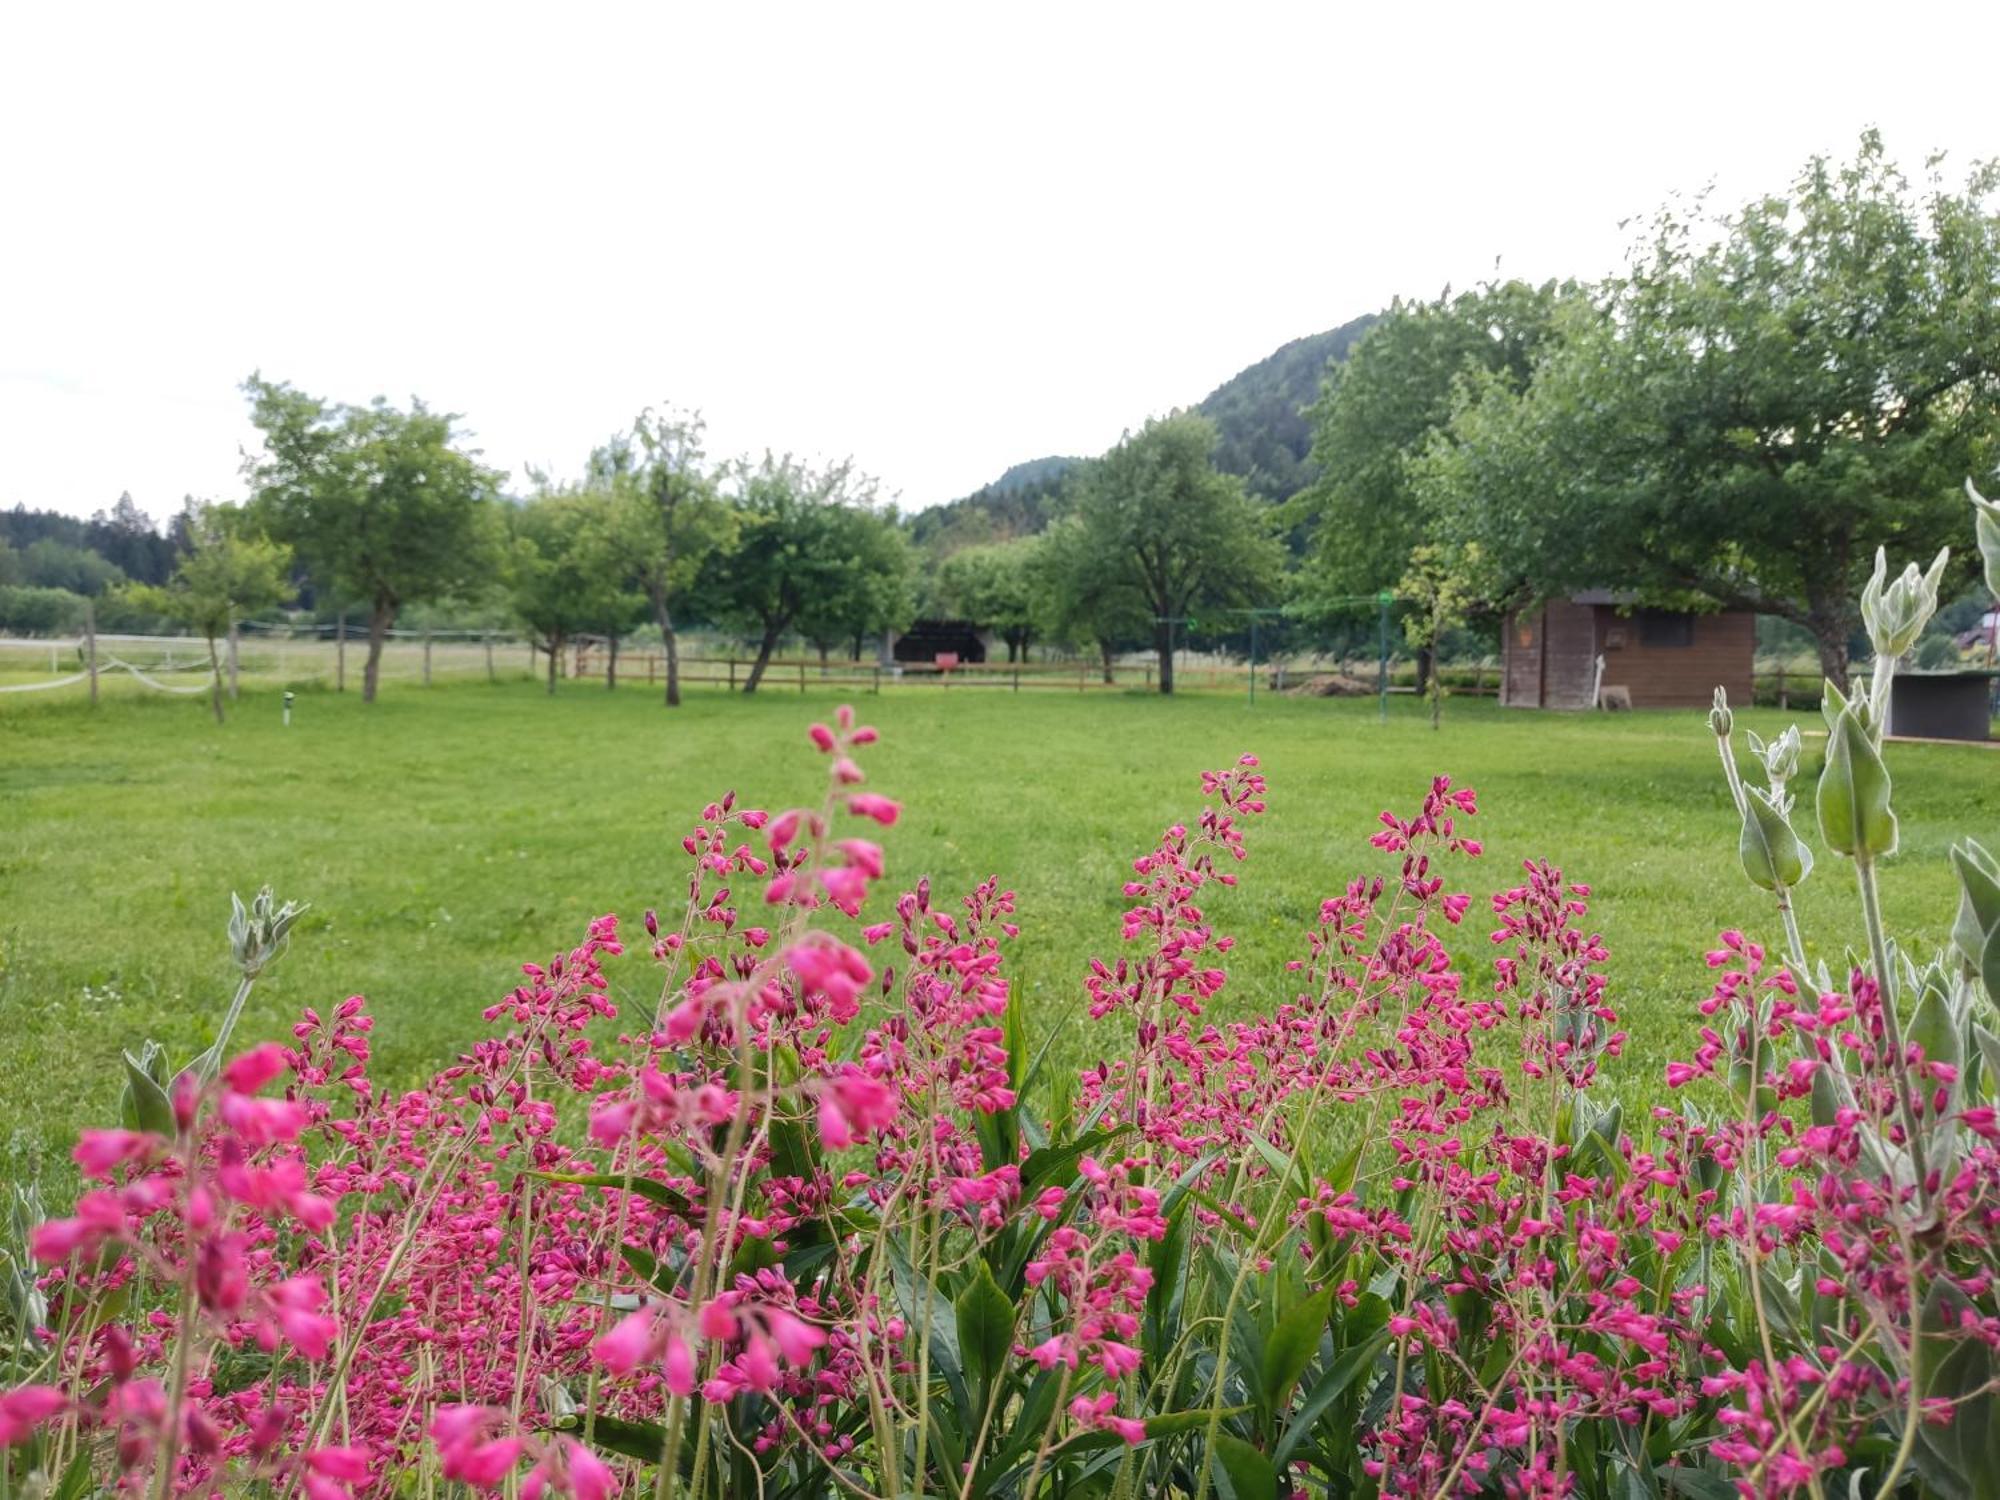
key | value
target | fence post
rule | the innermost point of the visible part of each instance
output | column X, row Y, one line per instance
column 427, row 656
column 340, row 654
column 876, row 689
column 802, row 674
column 1784, row 699
column 652, row 661
column 90, row 646
column 732, row 674
column 489, row 657
column 235, row 635
column 1017, row 679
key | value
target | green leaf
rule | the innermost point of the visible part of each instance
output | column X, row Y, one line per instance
column 147, row 1106
column 1978, row 900
column 1340, row 1376
column 1176, row 1423
column 1854, row 814
column 1932, row 1029
column 985, row 1325
column 1247, row 1473
column 640, row 1440
column 1771, row 853
column 1292, row 1345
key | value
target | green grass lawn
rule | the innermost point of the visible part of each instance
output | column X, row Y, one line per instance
column 444, row 836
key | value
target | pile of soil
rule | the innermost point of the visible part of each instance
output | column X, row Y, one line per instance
column 1329, row 685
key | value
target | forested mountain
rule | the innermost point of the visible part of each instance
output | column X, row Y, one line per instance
column 1263, row 432
column 1260, row 414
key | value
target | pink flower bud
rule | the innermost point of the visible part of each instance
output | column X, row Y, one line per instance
column 255, row 1068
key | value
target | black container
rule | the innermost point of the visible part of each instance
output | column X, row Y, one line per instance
column 1942, row 705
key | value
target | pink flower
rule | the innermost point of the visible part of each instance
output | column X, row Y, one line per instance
column 25, row 1408
column 628, row 1345
column 796, row 1339
column 255, row 1068
column 347, row 1464
column 589, row 1477
column 869, row 805
column 851, row 1105
column 822, row 737
column 99, row 1151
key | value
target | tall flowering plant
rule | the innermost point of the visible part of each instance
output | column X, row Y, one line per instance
column 820, row 1216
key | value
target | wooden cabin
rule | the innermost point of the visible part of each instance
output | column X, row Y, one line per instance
column 1596, row 648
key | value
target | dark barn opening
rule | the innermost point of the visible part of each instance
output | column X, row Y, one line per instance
column 926, row 640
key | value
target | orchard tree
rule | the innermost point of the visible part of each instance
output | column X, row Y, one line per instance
column 1756, row 406
column 791, row 557
column 380, row 505
column 994, row 585
column 561, row 570
column 227, row 572
column 875, row 591
column 1085, row 597
column 671, row 518
column 1438, row 590
column 1172, row 527
column 1381, row 409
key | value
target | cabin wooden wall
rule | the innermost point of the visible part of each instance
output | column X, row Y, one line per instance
column 1721, row 654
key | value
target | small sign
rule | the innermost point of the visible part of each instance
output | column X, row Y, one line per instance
column 947, row 661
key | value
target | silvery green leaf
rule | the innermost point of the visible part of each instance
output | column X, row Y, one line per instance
column 1854, row 814
column 1771, row 853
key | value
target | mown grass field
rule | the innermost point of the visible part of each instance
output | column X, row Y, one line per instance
column 443, row 836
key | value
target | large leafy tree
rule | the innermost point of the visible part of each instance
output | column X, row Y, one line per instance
column 381, row 505
column 1085, row 597
column 671, row 519
column 227, row 572
column 1380, row 411
column 1760, row 402
column 875, row 591
column 994, row 585
column 1174, row 529
column 794, row 555
column 562, row 568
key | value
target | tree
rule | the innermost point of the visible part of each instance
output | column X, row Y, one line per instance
column 1380, row 411
column 1085, row 597
column 1176, row 530
column 791, row 555
column 381, row 505
column 672, row 521
column 874, row 591
column 1759, row 403
column 994, row 586
column 563, row 574
column 228, row 572
column 1439, row 587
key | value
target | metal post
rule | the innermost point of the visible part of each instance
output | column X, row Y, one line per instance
column 288, row 708
column 1382, row 672
column 90, row 646
column 340, row 654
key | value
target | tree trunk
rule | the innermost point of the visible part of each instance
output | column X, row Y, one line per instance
column 664, row 616
column 1163, row 644
column 1104, row 650
column 215, row 676
column 824, row 650
column 611, row 664
column 764, row 649
column 1829, row 621
column 1425, row 662
column 379, row 620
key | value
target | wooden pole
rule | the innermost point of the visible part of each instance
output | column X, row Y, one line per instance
column 1784, row 698
column 235, row 635
column 340, row 654
column 732, row 674
column 90, row 646
column 877, row 688
column 489, row 657
column 427, row 656
column 802, row 674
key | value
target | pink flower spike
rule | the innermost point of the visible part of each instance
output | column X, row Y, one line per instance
column 717, row 1321
column 255, row 1068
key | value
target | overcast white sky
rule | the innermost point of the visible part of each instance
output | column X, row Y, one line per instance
column 940, row 237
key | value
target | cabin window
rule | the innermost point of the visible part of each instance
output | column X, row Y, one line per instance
column 1665, row 628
